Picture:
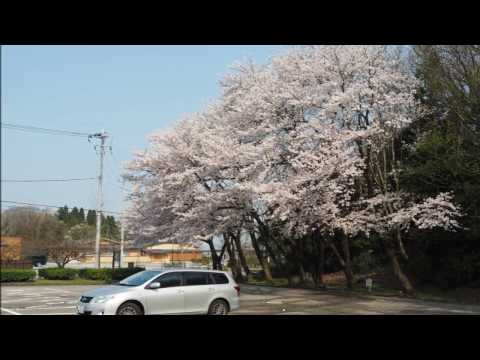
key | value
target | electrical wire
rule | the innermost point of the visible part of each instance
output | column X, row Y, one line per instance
column 47, row 180
column 35, row 129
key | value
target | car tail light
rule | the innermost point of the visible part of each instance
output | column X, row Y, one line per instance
column 238, row 290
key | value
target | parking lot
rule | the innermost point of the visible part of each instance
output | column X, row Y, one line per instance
column 255, row 300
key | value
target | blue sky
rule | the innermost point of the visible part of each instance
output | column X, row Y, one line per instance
column 129, row 91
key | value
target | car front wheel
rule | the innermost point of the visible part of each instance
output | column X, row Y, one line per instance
column 218, row 307
column 129, row 308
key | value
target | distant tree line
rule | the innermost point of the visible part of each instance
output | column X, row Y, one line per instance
column 63, row 236
column 76, row 216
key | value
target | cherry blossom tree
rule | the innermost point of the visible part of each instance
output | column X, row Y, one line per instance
column 304, row 146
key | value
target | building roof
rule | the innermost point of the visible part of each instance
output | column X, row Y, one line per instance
column 170, row 247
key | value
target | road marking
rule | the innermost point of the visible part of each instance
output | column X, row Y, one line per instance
column 462, row 311
column 36, row 307
column 55, row 303
column 31, row 299
column 10, row 311
column 52, row 314
column 56, row 290
column 276, row 302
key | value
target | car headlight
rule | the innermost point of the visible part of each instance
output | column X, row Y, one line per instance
column 102, row 299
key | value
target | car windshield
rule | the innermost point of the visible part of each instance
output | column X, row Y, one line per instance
column 139, row 278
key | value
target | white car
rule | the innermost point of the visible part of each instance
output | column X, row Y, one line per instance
column 158, row 292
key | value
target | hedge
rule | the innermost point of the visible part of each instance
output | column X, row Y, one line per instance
column 90, row 274
column 122, row 273
column 108, row 274
column 95, row 274
column 58, row 273
column 12, row 275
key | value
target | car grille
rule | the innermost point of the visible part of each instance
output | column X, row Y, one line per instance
column 86, row 299
column 86, row 313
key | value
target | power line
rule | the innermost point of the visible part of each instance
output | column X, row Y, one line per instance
column 47, row 180
column 35, row 129
column 53, row 206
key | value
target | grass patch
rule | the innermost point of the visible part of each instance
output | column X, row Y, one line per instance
column 280, row 282
column 382, row 286
column 458, row 296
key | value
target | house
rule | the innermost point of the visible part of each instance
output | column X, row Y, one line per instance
column 170, row 252
column 148, row 255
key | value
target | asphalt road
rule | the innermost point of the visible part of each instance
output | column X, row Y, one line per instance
column 254, row 300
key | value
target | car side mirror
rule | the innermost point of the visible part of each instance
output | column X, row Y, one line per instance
column 155, row 285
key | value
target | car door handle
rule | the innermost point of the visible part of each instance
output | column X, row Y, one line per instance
column 211, row 289
column 180, row 291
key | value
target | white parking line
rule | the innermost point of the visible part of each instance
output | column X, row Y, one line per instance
column 462, row 311
column 31, row 299
column 48, row 308
column 10, row 311
column 55, row 314
column 57, row 290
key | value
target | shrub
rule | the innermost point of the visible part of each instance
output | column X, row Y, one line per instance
column 459, row 271
column 11, row 275
column 445, row 272
column 122, row 273
column 108, row 274
column 258, row 275
column 423, row 269
column 365, row 262
column 58, row 273
column 95, row 274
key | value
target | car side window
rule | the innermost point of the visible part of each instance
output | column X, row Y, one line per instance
column 169, row 280
column 220, row 278
column 210, row 279
column 195, row 278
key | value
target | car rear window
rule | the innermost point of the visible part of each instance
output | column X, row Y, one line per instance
column 219, row 278
column 195, row 278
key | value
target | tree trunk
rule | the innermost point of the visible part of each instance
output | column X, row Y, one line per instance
column 269, row 249
column 220, row 258
column 241, row 255
column 261, row 260
column 299, row 258
column 400, row 243
column 320, row 264
column 348, row 262
column 265, row 237
column 321, row 271
column 236, row 270
column 348, row 274
column 301, row 272
column 213, row 253
column 368, row 172
column 397, row 270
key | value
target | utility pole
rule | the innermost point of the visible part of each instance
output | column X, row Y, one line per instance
column 102, row 136
column 122, row 238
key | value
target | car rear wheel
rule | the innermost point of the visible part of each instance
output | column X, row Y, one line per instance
column 129, row 308
column 218, row 307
